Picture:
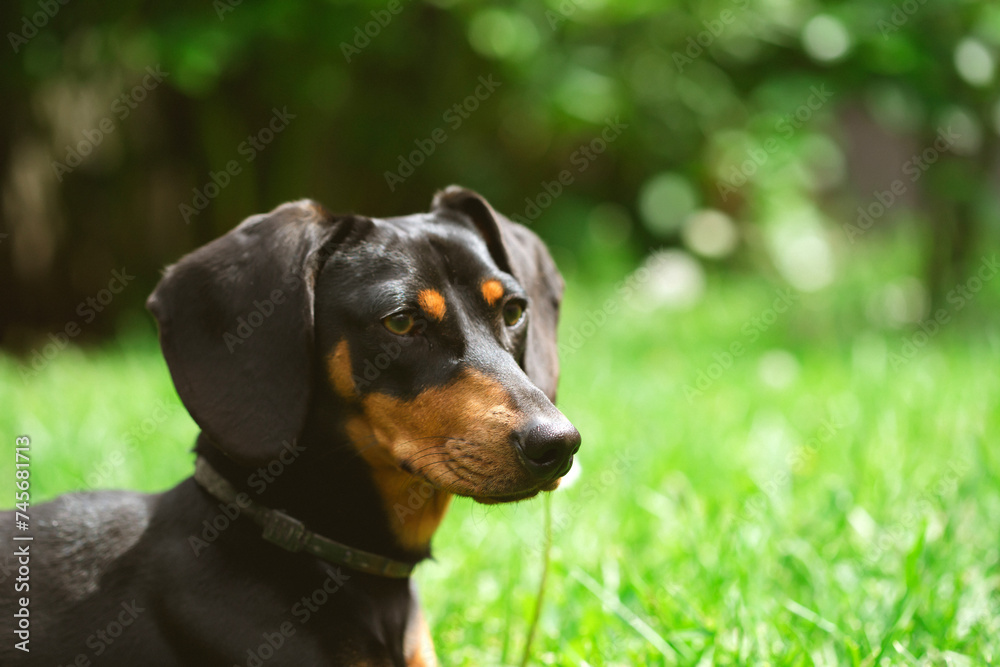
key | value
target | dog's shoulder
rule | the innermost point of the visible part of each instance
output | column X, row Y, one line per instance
column 78, row 536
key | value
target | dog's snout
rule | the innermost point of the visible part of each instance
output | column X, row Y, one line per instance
column 546, row 447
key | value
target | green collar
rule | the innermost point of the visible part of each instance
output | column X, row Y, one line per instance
column 291, row 534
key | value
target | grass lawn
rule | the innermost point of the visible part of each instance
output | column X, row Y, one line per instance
column 822, row 497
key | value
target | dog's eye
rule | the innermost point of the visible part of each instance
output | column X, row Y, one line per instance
column 513, row 311
column 399, row 323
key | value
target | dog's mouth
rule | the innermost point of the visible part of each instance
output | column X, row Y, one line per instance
column 446, row 469
column 510, row 498
column 492, row 498
column 489, row 497
column 496, row 499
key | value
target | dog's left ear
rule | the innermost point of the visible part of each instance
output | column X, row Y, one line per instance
column 518, row 251
column 236, row 328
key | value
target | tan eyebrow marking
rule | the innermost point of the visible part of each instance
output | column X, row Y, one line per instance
column 433, row 303
column 492, row 291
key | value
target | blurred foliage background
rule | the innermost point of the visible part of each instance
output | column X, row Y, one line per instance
column 760, row 135
column 778, row 221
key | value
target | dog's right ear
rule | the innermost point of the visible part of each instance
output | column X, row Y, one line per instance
column 236, row 327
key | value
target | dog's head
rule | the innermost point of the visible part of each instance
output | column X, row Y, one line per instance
column 436, row 334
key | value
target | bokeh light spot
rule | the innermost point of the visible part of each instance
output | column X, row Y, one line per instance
column 503, row 34
column 778, row 369
column 670, row 279
column 710, row 233
column 825, row 38
column 665, row 202
column 974, row 62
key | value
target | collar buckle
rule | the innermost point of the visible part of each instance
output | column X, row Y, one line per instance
column 287, row 532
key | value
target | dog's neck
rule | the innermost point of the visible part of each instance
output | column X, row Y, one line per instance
column 323, row 481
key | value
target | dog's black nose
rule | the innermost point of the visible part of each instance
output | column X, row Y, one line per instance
column 546, row 447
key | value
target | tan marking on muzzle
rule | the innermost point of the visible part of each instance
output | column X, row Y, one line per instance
column 457, row 437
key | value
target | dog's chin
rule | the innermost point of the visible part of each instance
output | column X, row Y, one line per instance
column 491, row 496
column 509, row 498
column 496, row 499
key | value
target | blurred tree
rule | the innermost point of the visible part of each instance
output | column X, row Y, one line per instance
column 134, row 132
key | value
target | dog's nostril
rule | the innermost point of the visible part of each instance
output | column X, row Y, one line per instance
column 547, row 447
column 545, row 457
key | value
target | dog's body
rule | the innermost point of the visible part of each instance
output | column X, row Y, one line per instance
column 390, row 364
column 118, row 583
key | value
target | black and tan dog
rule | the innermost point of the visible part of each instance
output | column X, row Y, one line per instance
column 349, row 376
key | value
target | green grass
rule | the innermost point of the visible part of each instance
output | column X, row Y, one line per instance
column 849, row 516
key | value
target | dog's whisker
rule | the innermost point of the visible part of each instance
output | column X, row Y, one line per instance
column 462, row 477
column 433, row 463
column 424, row 455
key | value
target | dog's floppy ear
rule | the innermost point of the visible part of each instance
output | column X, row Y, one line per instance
column 236, row 328
column 517, row 250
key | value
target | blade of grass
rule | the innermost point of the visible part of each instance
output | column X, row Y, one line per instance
column 542, row 583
